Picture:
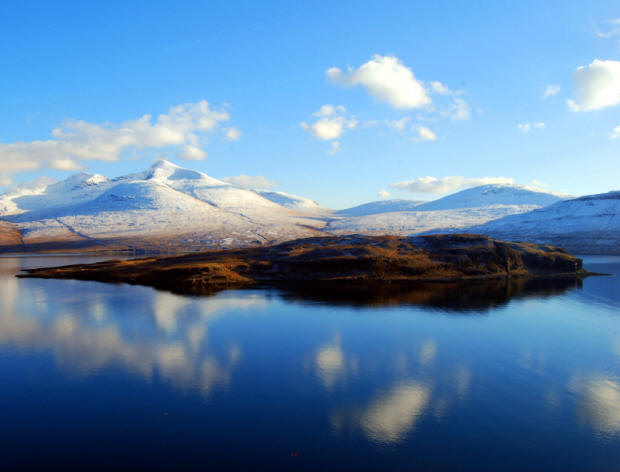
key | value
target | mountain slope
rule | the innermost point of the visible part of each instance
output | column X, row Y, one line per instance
column 469, row 207
column 587, row 225
column 46, row 193
column 294, row 202
column 495, row 194
column 380, row 206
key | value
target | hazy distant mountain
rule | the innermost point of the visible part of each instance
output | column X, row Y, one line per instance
column 586, row 225
column 380, row 206
column 493, row 195
column 462, row 209
column 293, row 202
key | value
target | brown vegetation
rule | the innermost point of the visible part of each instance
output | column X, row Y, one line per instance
column 358, row 260
column 10, row 236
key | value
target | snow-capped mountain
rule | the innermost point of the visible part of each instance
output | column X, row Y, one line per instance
column 380, row 206
column 166, row 205
column 47, row 193
column 585, row 225
column 469, row 207
column 493, row 195
column 172, row 208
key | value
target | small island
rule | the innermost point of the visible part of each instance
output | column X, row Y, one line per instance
column 346, row 260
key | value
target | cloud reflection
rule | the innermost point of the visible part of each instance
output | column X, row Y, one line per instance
column 395, row 413
column 330, row 364
column 85, row 333
column 598, row 402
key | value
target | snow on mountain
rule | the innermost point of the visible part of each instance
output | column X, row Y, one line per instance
column 293, row 202
column 411, row 222
column 469, row 207
column 586, row 225
column 223, row 195
column 380, row 206
column 167, row 206
column 164, row 205
column 47, row 193
column 495, row 194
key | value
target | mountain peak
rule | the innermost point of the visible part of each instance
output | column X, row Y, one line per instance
column 83, row 178
column 165, row 170
column 164, row 164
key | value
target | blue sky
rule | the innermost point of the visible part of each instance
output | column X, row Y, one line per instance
column 424, row 89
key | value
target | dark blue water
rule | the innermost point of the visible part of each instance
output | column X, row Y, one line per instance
column 482, row 377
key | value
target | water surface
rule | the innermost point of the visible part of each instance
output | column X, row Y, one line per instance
column 479, row 377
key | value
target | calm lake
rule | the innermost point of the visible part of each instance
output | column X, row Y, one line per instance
column 522, row 376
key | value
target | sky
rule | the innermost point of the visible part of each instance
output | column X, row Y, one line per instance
column 342, row 102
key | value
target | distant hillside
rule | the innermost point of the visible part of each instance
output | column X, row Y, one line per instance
column 293, row 202
column 495, row 194
column 380, row 206
column 585, row 225
column 466, row 208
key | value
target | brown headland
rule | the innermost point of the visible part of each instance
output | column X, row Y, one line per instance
column 345, row 260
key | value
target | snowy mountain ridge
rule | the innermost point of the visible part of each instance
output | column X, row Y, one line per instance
column 164, row 205
column 168, row 207
column 473, row 206
column 585, row 225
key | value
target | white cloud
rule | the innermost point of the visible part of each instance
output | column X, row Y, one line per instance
column 329, row 110
column 441, row 89
column 335, row 147
column 251, row 181
column 399, row 124
column 615, row 133
column 5, row 180
column 458, row 110
column 423, row 133
column 78, row 140
column 613, row 31
column 193, row 153
column 527, row 127
column 597, row 86
column 550, row 91
column 384, row 194
column 233, row 134
column 387, row 79
column 446, row 184
column 60, row 163
column 332, row 122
